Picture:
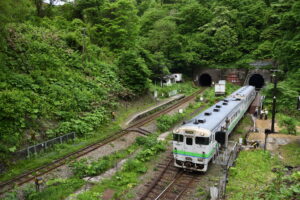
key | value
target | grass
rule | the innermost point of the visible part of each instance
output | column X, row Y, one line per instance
column 83, row 168
column 285, row 186
column 128, row 177
column 61, row 150
column 245, row 123
column 62, row 188
column 290, row 154
column 54, row 189
column 252, row 174
column 59, row 189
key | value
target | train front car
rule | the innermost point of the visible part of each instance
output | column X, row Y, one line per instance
column 193, row 147
column 196, row 142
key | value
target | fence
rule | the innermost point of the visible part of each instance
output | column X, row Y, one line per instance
column 33, row 150
column 227, row 159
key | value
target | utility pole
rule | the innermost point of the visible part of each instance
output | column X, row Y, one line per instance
column 274, row 101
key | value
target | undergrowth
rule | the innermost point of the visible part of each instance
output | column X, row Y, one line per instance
column 186, row 88
column 244, row 123
column 102, row 132
column 285, row 186
column 290, row 154
column 251, row 174
column 128, row 176
column 53, row 190
column 84, row 168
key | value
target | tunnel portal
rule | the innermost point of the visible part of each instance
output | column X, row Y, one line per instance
column 257, row 80
column 205, row 80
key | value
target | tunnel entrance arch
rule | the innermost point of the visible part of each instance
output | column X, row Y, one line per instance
column 205, row 80
column 257, row 81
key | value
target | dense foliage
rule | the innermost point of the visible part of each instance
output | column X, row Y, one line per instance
column 259, row 175
column 252, row 171
column 63, row 68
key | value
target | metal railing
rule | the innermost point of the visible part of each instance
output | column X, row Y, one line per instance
column 43, row 146
column 227, row 159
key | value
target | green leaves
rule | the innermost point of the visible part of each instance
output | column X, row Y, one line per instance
column 134, row 72
column 165, row 122
column 115, row 26
column 251, row 173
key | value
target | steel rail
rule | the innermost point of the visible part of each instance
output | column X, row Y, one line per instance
column 44, row 169
column 178, row 175
column 176, row 181
column 185, row 188
column 154, row 183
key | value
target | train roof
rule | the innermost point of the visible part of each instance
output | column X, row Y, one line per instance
column 213, row 116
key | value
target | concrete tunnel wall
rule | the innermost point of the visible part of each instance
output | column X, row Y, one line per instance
column 255, row 77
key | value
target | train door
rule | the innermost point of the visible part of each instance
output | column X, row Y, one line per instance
column 221, row 137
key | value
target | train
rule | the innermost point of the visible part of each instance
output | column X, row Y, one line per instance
column 196, row 141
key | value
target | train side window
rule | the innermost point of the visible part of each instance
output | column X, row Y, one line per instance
column 202, row 140
column 189, row 141
column 178, row 137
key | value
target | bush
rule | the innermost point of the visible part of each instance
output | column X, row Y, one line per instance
column 283, row 187
column 289, row 123
column 165, row 122
column 83, row 168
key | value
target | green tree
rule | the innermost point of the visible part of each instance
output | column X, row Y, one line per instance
column 117, row 26
column 192, row 16
column 225, row 41
column 290, row 124
column 12, row 11
column 133, row 71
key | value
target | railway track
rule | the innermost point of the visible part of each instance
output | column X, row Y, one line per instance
column 136, row 127
column 171, row 184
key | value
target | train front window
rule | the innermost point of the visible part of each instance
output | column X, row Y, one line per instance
column 202, row 140
column 178, row 138
column 189, row 141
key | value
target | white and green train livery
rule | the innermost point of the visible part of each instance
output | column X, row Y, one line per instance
column 196, row 141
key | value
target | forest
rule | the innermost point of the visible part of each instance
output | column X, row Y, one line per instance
column 65, row 68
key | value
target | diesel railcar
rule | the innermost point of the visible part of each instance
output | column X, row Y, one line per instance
column 197, row 141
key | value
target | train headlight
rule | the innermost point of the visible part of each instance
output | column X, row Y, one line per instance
column 200, row 159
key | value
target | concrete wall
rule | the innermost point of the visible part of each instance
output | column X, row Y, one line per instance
column 221, row 74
